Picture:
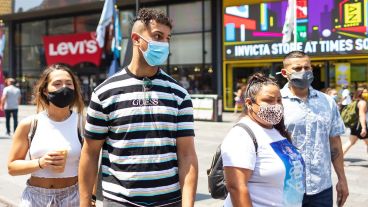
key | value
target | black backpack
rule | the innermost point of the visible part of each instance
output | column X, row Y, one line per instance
column 216, row 178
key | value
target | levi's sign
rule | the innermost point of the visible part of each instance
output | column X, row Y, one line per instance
column 72, row 49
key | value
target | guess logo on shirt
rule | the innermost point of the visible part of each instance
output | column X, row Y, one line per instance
column 145, row 102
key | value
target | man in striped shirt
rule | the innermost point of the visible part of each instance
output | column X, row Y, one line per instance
column 143, row 121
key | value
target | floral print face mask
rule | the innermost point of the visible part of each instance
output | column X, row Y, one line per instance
column 270, row 113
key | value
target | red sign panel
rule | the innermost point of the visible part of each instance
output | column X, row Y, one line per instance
column 72, row 49
column 302, row 9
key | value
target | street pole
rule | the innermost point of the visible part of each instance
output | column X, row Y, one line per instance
column 295, row 25
column 136, row 6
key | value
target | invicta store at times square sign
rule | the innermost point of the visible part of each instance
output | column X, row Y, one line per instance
column 330, row 28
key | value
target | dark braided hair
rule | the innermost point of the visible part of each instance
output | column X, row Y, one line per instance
column 254, row 86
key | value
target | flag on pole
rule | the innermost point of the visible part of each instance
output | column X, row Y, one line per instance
column 115, row 45
column 289, row 23
column 2, row 40
column 105, row 20
column 114, row 67
column 116, row 41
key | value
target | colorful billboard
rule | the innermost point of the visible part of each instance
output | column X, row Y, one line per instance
column 328, row 28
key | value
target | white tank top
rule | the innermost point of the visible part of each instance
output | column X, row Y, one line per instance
column 50, row 136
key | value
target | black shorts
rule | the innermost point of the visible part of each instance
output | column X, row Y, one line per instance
column 356, row 131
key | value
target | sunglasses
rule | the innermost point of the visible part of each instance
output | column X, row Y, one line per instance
column 146, row 86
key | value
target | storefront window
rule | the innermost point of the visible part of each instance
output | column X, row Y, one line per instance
column 187, row 17
column 358, row 75
column 186, row 49
column 32, row 58
column 238, row 74
column 207, row 16
column 358, row 72
column 208, row 47
column 196, row 79
column 61, row 26
column 87, row 23
column 32, row 32
column 332, row 75
column 35, row 5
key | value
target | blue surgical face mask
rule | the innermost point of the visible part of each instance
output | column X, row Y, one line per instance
column 156, row 53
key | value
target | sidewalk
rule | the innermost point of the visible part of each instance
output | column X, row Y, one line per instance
column 208, row 136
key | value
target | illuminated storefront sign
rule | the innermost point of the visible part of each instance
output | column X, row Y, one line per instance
column 72, row 49
column 329, row 29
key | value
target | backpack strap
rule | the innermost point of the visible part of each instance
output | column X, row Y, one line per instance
column 80, row 129
column 32, row 132
column 250, row 132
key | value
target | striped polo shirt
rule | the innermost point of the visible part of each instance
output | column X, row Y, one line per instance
column 140, row 122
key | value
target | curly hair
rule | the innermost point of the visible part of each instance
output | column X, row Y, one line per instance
column 145, row 15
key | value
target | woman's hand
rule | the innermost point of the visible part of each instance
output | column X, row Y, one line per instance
column 363, row 133
column 53, row 160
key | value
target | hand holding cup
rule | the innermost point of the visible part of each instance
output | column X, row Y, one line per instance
column 55, row 160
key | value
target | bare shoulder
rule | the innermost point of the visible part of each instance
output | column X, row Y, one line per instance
column 362, row 103
column 25, row 124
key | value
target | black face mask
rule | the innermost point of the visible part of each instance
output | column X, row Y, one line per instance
column 62, row 97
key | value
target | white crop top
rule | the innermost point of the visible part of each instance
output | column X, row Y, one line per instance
column 50, row 136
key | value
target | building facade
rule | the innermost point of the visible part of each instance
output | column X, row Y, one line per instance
column 44, row 31
column 215, row 46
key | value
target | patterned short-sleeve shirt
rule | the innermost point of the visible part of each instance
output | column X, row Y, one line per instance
column 311, row 123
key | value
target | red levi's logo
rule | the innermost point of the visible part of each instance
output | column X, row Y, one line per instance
column 72, row 49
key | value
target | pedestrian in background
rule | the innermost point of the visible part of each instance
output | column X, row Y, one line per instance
column 332, row 92
column 313, row 120
column 239, row 98
column 53, row 141
column 345, row 97
column 272, row 174
column 359, row 130
column 10, row 101
column 143, row 121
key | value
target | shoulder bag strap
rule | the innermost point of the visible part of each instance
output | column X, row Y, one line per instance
column 32, row 131
column 80, row 128
column 250, row 132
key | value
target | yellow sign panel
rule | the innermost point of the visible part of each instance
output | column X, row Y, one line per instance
column 342, row 74
column 353, row 13
column 5, row 7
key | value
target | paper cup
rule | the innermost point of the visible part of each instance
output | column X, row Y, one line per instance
column 61, row 168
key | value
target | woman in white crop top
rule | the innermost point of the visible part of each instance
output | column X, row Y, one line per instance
column 55, row 144
column 272, row 174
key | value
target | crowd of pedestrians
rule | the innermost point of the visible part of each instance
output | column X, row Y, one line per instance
column 139, row 131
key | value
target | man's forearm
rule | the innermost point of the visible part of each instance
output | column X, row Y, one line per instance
column 87, row 177
column 337, row 157
column 188, row 175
